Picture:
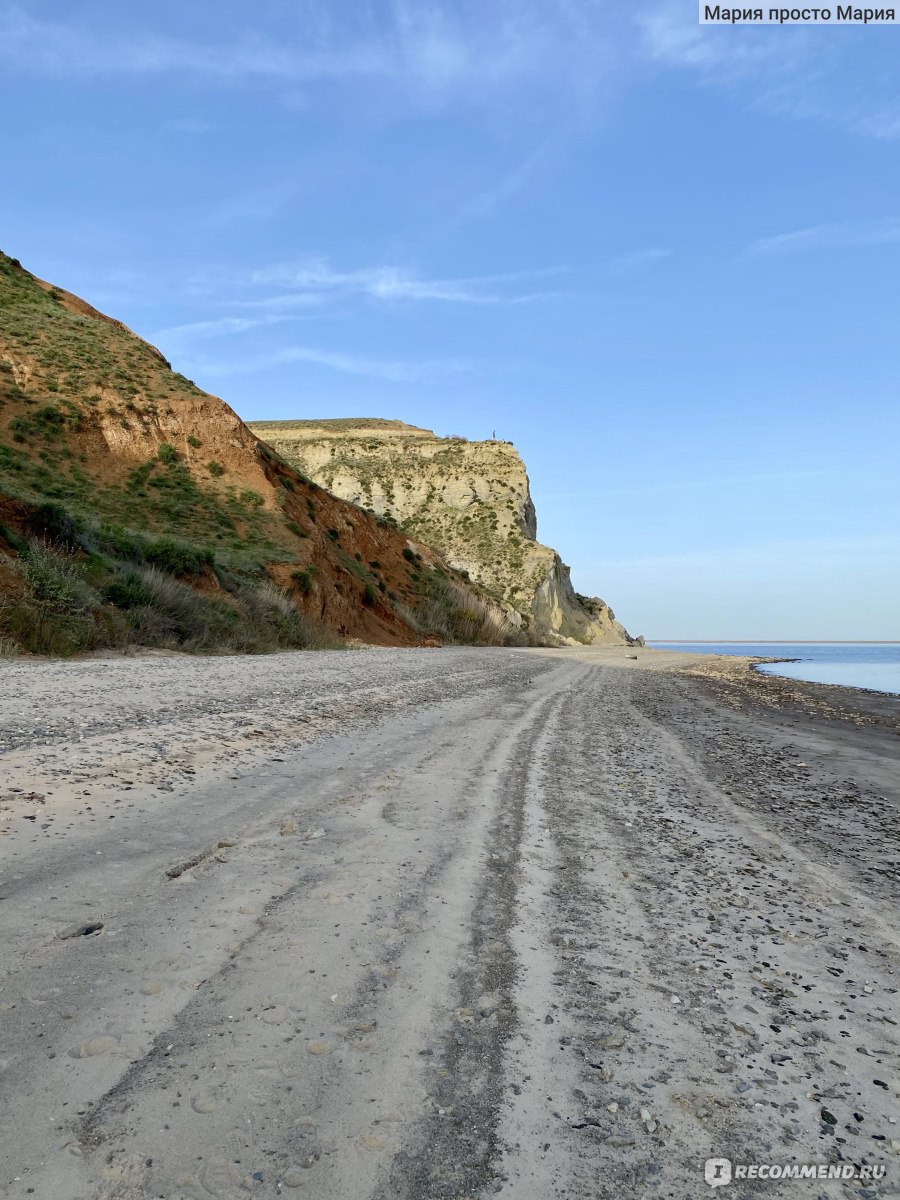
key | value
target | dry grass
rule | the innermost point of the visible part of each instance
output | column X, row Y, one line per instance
column 69, row 605
column 459, row 617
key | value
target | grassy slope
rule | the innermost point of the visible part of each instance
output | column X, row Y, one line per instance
column 132, row 476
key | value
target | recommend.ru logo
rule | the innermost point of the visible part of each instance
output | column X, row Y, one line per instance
column 718, row 1171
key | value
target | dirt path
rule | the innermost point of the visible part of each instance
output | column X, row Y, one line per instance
column 414, row 924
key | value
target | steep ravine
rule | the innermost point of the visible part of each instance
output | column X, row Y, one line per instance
column 469, row 499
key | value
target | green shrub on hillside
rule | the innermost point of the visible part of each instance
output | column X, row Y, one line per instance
column 53, row 523
column 68, row 605
column 178, row 558
column 304, row 578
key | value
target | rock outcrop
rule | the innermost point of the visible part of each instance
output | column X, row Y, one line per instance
column 471, row 500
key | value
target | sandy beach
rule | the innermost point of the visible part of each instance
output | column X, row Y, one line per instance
column 444, row 923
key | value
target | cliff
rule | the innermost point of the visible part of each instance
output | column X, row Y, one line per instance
column 471, row 500
column 136, row 508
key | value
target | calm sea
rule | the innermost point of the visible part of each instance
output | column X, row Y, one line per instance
column 850, row 664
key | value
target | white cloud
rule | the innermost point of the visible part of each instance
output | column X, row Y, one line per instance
column 259, row 205
column 55, row 48
column 511, row 181
column 436, row 48
column 798, row 72
column 189, row 125
column 836, row 236
column 220, row 327
column 389, row 283
column 628, row 263
column 393, row 371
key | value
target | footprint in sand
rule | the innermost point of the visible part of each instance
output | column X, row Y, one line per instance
column 308, row 1150
column 372, row 1141
column 319, row 1047
column 294, row 1178
column 102, row 1044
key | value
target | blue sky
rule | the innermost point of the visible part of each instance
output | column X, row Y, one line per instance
column 662, row 259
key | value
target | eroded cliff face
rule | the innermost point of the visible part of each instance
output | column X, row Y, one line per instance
column 469, row 499
column 110, row 456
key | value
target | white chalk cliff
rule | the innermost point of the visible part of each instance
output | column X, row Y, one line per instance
column 471, row 500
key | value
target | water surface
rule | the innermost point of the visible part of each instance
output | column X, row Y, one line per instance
column 874, row 665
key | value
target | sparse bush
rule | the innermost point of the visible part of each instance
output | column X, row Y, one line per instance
column 274, row 622
column 369, row 595
column 215, row 469
column 51, row 522
column 457, row 616
column 55, row 580
column 251, row 499
column 127, row 591
column 303, row 578
column 49, row 416
column 54, row 612
column 167, row 454
column 193, row 441
column 9, row 647
column 178, row 558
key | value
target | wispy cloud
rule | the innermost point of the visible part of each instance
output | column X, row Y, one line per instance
column 836, row 236
column 511, row 181
column 801, row 73
column 438, row 48
column 259, row 205
column 393, row 371
column 628, row 263
column 53, row 47
column 220, row 327
column 189, row 125
column 317, row 278
column 672, row 35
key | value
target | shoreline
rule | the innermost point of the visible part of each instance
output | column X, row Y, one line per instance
column 759, row 660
